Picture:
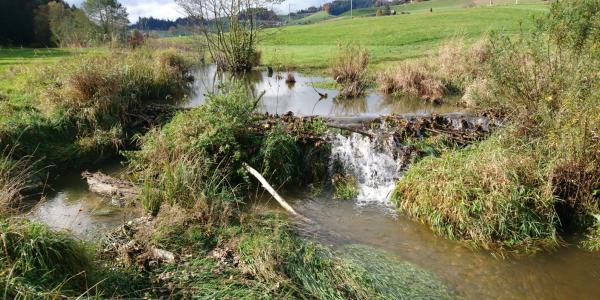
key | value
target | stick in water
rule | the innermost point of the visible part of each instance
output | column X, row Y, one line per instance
column 271, row 190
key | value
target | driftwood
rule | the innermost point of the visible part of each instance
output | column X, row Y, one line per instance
column 103, row 184
column 272, row 191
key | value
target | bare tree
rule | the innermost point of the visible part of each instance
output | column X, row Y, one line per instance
column 230, row 28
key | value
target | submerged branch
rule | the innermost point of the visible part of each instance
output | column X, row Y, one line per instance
column 272, row 191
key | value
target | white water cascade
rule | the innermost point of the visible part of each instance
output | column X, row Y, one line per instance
column 371, row 162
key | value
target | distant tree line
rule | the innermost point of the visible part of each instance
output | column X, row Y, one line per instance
column 338, row 7
column 25, row 23
column 49, row 23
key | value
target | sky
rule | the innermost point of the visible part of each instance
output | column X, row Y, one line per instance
column 167, row 9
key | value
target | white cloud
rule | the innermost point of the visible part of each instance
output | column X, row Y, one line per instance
column 167, row 9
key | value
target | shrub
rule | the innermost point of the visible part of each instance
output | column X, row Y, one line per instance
column 411, row 79
column 539, row 173
column 350, row 70
column 199, row 155
column 459, row 65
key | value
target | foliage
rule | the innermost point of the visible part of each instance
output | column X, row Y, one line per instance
column 14, row 175
column 70, row 27
column 344, row 187
column 81, row 108
column 230, row 29
column 271, row 253
column 110, row 15
column 492, row 194
column 203, row 150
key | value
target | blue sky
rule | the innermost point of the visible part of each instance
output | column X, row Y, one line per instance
column 167, row 9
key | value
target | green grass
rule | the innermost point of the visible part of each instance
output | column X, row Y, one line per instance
column 392, row 38
column 12, row 57
column 313, row 18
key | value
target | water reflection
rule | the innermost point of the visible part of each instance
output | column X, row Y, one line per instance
column 302, row 98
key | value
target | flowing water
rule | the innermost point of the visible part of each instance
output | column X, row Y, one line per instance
column 567, row 273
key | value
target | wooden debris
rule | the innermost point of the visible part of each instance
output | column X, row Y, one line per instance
column 103, row 184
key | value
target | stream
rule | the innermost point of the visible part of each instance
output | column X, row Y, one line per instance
column 567, row 273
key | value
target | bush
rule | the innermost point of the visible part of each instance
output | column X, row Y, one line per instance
column 350, row 70
column 199, row 155
column 81, row 109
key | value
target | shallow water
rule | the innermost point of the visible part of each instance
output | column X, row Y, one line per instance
column 568, row 273
column 71, row 206
column 302, row 99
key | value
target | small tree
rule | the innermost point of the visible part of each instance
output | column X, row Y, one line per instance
column 378, row 13
column 110, row 15
column 230, row 29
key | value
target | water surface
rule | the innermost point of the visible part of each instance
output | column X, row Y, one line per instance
column 71, row 206
column 302, row 99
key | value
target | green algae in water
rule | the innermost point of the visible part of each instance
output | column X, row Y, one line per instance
column 395, row 279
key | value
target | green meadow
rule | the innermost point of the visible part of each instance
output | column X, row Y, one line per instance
column 392, row 38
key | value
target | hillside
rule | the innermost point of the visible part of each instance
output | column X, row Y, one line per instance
column 392, row 38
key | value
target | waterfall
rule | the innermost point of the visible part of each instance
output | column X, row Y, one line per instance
column 371, row 162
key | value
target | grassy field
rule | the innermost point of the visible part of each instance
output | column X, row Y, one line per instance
column 441, row 6
column 392, row 38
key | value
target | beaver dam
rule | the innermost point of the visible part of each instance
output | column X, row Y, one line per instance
column 374, row 141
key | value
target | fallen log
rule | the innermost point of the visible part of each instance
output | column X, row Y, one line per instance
column 103, row 184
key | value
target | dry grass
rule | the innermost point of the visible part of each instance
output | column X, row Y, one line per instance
column 349, row 70
column 412, row 79
column 459, row 64
column 14, row 175
column 478, row 91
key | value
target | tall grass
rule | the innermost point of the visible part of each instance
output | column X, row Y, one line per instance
column 349, row 69
column 14, row 175
column 414, row 79
column 200, row 153
column 35, row 261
